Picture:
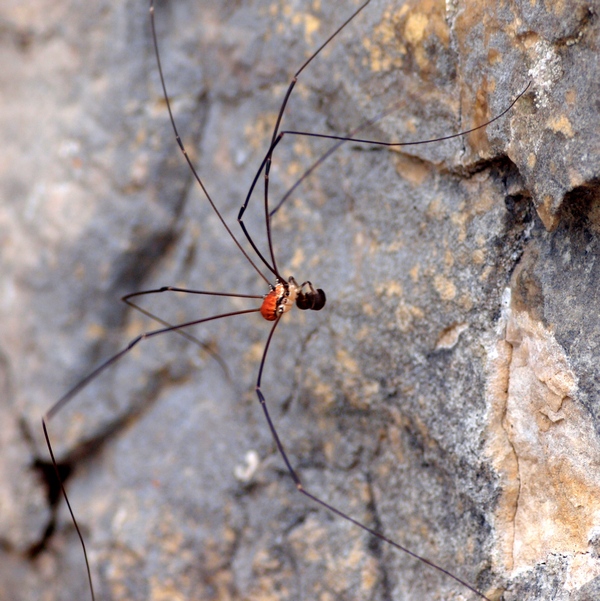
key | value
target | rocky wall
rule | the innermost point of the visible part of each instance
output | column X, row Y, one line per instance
column 447, row 394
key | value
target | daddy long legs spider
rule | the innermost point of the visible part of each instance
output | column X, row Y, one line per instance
column 360, row 481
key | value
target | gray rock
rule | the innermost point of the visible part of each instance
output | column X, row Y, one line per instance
column 447, row 395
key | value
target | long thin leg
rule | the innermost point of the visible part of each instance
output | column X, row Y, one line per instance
column 71, row 512
column 271, row 267
column 343, row 139
column 415, row 143
column 188, row 291
column 300, row 487
column 265, row 165
column 184, row 151
column 203, row 345
column 101, row 368
column 275, row 138
column 112, row 360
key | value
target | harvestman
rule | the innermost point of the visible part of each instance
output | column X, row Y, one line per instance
column 282, row 295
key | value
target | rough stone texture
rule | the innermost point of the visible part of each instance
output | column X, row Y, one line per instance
column 447, row 394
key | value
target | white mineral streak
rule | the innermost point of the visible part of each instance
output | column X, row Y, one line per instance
column 545, row 449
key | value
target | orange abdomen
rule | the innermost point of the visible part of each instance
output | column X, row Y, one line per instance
column 268, row 308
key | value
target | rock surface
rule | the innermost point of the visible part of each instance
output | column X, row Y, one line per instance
column 446, row 395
